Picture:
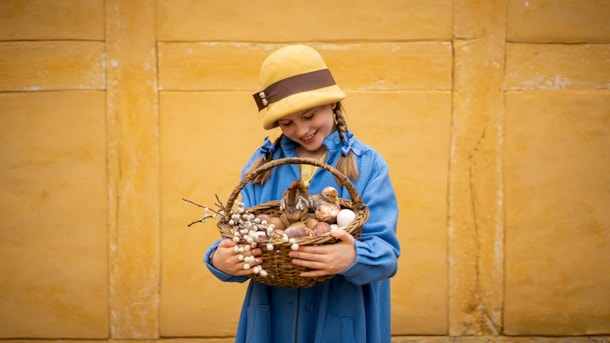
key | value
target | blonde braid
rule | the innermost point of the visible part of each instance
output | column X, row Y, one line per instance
column 346, row 164
column 264, row 176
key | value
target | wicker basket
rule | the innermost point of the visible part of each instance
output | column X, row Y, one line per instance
column 277, row 263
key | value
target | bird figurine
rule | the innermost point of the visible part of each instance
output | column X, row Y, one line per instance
column 328, row 195
column 295, row 202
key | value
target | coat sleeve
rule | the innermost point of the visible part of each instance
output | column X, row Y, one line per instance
column 378, row 249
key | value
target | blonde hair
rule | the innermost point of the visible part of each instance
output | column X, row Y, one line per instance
column 264, row 176
column 345, row 164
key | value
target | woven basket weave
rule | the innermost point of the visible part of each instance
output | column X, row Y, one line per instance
column 281, row 271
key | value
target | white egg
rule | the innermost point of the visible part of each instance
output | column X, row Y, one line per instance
column 345, row 217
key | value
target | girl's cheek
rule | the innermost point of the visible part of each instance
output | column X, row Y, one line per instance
column 287, row 131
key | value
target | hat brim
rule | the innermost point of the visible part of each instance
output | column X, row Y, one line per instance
column 300, row 102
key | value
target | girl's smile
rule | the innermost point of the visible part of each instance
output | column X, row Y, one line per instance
column 309, row 139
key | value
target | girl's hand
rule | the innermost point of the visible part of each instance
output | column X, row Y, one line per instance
column 326, row 259
column 226, row 259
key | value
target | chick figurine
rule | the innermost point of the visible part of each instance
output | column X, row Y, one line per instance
column 295, row 202
column 328, row 195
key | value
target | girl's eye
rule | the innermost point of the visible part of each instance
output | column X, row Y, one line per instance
column 309, row 115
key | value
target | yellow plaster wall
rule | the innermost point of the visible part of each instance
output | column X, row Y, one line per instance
column 493, row 116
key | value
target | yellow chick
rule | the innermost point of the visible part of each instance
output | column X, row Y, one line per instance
column 328, row 195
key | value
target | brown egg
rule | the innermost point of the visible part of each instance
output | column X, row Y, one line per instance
column 277, row 222
column 321, row 228
column 327, row 212
column 298, row 229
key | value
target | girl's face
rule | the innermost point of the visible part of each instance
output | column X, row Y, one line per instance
column 309, row 128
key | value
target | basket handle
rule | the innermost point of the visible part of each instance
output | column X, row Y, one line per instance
column 344, row 180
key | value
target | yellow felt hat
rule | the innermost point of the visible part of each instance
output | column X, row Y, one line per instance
column 294, row 78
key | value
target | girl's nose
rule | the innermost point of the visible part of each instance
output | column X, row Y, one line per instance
column 302, row 129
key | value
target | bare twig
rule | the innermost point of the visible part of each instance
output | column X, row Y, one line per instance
column 194, row 203
column 216, row 213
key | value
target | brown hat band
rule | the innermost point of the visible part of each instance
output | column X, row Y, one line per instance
column 293, row 85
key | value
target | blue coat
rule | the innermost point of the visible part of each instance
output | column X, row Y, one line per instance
column 353, row 306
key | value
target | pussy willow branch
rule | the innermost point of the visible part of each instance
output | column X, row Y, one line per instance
column 216, row 214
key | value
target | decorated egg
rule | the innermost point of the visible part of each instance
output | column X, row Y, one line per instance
column 345, row 217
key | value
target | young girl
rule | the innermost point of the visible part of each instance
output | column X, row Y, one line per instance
column 300, row 96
